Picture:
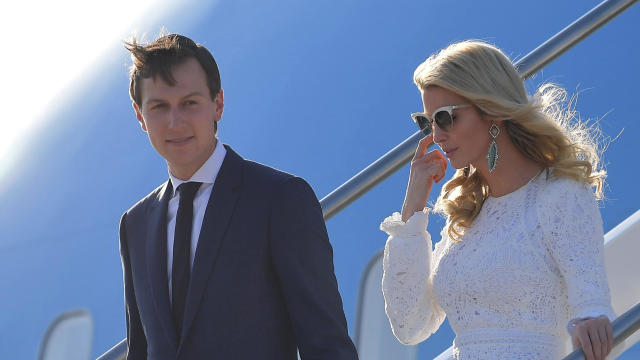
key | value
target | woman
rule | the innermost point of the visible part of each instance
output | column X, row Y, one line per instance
column 521, row 261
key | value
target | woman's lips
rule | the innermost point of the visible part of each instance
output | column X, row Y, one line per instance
column 450, row 152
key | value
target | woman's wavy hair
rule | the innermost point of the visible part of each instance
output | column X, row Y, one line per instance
column 544, row 127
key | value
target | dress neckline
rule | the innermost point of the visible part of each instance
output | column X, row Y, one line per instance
column 532, row 180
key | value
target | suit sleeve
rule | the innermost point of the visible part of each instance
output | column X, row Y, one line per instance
column 136, row 340
column 303, row 260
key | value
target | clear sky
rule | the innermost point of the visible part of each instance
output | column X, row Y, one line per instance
column 316, row 88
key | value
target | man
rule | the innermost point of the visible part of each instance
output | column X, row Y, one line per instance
column 228, row 259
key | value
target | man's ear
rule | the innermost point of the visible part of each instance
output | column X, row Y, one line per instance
column 219, row 101
column 136, row 108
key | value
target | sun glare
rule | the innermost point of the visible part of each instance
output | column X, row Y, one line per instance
column 46, row 46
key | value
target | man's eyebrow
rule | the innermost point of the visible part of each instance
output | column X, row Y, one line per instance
column 149, row 101
column 195, row 93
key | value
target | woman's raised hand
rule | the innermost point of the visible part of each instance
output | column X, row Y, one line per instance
column 425, row 169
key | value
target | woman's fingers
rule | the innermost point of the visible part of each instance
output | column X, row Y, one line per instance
column 421, row 155
column 586, row 346
column 430, row 160
column 435, row 156
column 575, row 340
column 596, row 343
column 581, row 339
column 605, row 332
column 425, row 168
column 602, row 335
column 433, row 166
column 609, row 330
column 423, row 145
column 595, row 336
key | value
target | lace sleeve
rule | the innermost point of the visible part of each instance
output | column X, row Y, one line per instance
column 412, row 310
column 576, row 241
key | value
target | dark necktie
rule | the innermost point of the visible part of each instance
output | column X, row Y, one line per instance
column 181, row 271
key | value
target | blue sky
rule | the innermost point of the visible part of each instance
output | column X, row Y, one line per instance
column 319, row 89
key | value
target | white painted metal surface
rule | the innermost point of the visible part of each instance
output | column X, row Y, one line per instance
column 621, row 251
column 374, row 339
column 69, row 337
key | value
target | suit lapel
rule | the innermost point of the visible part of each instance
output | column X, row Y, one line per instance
column 222, row 201
column 157, row 260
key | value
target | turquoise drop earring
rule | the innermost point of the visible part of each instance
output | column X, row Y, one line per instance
column 492, row 156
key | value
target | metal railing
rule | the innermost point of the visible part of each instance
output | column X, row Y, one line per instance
column 118, row 352
column 623, row 327
column 400, row 155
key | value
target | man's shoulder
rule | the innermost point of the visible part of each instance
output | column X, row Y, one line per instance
column 262, row 172
column 274, row 180
column 253, row 172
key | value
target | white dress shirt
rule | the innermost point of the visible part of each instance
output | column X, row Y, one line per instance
column 207, row 176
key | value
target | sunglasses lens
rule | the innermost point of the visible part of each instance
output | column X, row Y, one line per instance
column 422, row 121
column 443, row 119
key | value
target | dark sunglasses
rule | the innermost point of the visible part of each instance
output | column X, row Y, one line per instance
column 443, row 117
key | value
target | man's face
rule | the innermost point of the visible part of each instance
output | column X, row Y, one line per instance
column 180, row 119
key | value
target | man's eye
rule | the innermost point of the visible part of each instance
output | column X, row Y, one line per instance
column 190, row 102
column 158, row 106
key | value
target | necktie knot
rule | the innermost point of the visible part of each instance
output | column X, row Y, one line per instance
column 188, row 190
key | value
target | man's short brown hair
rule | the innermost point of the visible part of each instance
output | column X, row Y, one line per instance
column 160, row 56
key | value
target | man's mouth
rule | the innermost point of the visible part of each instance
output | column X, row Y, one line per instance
column 180, row 141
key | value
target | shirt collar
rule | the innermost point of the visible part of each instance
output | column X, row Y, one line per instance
column 208, row 171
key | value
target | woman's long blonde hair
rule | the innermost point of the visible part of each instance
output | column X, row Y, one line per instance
column 544, row 127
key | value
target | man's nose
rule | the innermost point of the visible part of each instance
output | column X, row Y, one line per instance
column 175, row 117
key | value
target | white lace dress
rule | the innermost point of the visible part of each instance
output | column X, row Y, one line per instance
column 531, row 262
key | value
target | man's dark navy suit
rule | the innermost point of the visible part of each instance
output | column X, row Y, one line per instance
column 262, row 282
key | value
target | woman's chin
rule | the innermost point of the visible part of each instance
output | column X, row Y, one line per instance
column 457, row 165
